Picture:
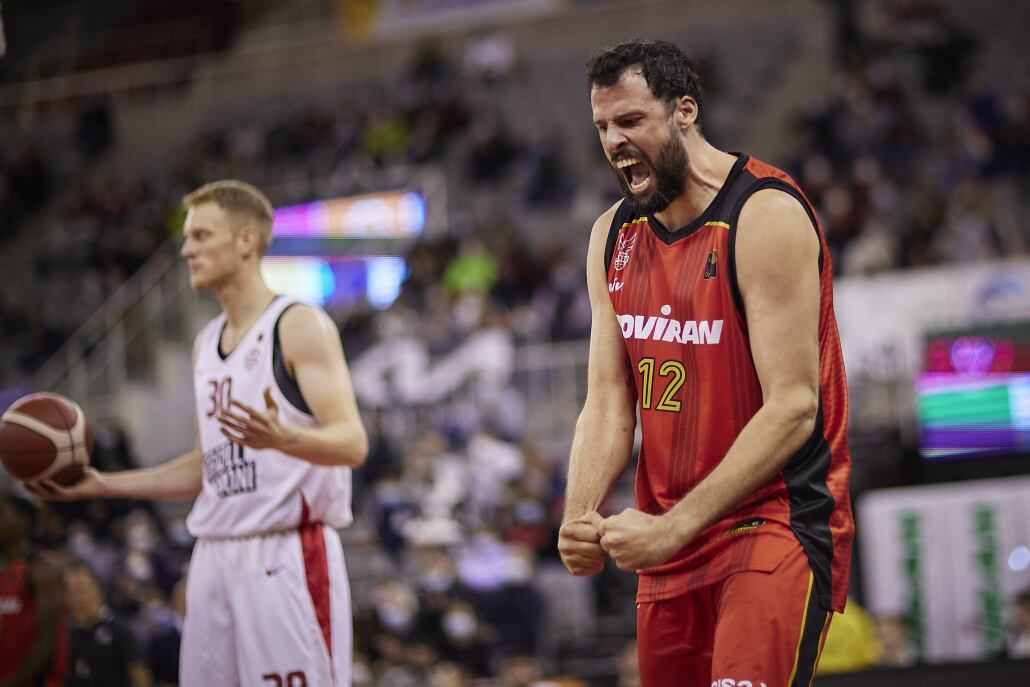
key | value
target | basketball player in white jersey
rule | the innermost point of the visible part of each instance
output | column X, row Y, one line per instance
column 267, row 600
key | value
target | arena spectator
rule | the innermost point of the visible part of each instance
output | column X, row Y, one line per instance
column 102, row 651
column 32, row 623
column 1019, row 638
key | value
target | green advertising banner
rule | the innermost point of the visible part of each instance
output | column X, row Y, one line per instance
column 948, row 560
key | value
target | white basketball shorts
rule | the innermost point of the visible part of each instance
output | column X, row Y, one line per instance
column 270, row 610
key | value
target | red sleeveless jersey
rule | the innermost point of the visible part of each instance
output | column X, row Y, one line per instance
column 682, row 317
column 18, row 624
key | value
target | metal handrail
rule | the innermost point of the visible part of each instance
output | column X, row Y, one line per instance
column 66, row 369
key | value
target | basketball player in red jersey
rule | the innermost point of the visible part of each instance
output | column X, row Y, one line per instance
column 278, row 431
column 31, row 613
column 712, row 308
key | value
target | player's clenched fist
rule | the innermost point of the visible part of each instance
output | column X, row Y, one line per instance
column 579, row 545
column 637, row 540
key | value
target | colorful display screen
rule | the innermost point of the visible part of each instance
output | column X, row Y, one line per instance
column 335, row 282
column 380, row 217
column 973, row 399
column 342, row 252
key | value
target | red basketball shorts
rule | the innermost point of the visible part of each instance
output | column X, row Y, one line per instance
column 751, row 629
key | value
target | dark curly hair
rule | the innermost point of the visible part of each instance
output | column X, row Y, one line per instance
column 669, row 73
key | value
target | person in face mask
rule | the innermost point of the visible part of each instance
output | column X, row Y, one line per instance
column 396, row 607
column 467, row 641
column 102, row 651
column 438, row 574
column 400, row 633
column 437, row 584
column 163, row 650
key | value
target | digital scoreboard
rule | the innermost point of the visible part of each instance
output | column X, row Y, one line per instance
column 344, row 251
column 973, row 396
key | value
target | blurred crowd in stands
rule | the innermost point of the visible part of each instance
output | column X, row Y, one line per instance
column 452, row 562
column 916, row 154
column 90, row 237
column 453, row 568
column 911, row 154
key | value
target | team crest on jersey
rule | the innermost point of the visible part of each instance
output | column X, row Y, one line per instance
column 623, row 250
column 710, row 265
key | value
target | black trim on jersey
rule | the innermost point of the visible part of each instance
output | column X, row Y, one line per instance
column 218, row 341
column 623, row 214
column 283, row 379
column 731, row 259
column 812, row 504
column 710, row 214
column 222, row 355
column 808, row 644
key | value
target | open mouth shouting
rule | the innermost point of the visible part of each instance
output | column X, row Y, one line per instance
column 638, row 174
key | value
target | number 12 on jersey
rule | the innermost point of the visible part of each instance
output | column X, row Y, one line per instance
column 676, row 374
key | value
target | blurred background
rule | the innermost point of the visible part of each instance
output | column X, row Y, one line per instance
column 436, row 173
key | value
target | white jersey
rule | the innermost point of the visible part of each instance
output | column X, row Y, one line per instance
column 255, row 491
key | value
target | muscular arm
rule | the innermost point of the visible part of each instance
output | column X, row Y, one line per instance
column 314, row 356
column 777, row 255
column 603, row 440
column 48, row 592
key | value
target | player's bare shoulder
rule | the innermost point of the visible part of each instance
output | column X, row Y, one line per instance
column 305, row 330
column 778, row 211
column 595, row 250
column 302, row 319
column 603, row 224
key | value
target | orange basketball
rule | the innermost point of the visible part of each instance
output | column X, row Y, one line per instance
column 45, row 436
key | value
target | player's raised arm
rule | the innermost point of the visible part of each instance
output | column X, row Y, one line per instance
column 603, row 441
column 777, row 259
column 313, row 356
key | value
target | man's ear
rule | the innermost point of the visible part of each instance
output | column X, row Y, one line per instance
column 248, row 236
column 686, row 112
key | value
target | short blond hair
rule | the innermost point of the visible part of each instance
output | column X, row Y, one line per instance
column 240, row 199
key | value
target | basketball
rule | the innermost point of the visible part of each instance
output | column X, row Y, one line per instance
column 45, row 436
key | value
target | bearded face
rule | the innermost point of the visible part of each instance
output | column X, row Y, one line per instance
column 650, row 185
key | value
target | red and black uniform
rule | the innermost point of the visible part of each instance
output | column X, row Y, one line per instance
column 678, row 303
column 18, row 625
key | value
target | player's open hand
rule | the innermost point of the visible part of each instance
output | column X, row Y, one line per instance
column 637, row 540
column 91, row 486
column 254, row 428
column 579, row 545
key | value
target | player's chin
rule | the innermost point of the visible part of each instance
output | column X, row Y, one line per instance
column 198, row 282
